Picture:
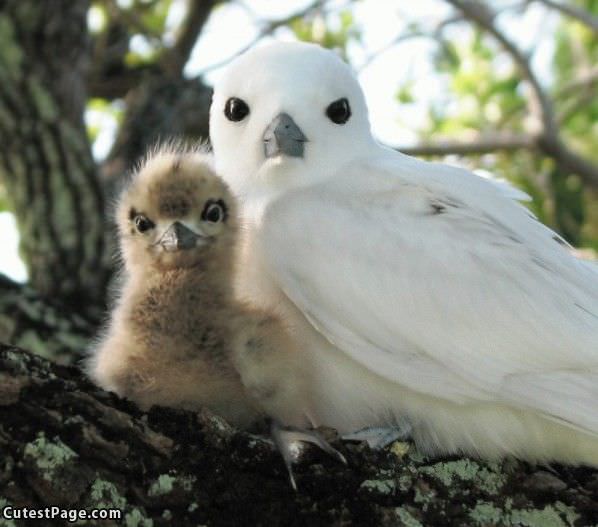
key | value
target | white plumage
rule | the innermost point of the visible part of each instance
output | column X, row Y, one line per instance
column 417, row 290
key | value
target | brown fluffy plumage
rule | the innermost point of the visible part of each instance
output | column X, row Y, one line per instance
column 177, row 336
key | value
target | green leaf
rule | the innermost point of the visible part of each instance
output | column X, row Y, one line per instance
column 405, row 95
column 3, row 199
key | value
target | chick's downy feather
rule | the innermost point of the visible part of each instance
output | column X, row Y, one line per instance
column 177, row 336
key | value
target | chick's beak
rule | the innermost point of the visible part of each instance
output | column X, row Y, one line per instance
column 284, row 137
column 178, row 237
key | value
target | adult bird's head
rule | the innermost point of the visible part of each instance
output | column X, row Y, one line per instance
column 175, row 213
column 286, row 115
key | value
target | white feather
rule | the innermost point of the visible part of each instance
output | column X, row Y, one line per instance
column 432, row 279
column 416, row 289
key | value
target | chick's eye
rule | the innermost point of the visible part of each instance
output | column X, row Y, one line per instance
column 236, row 109
column 143, row 223
column 339, row 111
column 214, row 211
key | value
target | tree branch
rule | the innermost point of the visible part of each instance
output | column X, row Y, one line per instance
column 65, row 442
column 110, row 78
column 160, row 107
column 483, row 16
column 115, row 85
column 267, row 29
column 434, row 34
column 584, row 97
column 174, row 59
column 576, row 94
column 586, row 80
column 581, row 15
column 548, row 139
column 480, row 145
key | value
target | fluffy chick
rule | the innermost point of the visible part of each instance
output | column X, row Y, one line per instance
column 177, row 337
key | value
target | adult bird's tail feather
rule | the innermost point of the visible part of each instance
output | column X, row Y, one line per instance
column 569, row 397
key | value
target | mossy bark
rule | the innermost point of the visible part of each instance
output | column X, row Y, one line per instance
column 51, row 329
column 65, row 442
column 58, row 194
column 45, row 159
column 160, row 108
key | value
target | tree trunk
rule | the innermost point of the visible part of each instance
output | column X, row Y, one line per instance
column 66, row 443
column 159, row 109
column 55, row 189
column 45, row 159
column 49, row 328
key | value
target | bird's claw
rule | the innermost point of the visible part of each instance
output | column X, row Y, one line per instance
column 285, row 437
column 379, row 437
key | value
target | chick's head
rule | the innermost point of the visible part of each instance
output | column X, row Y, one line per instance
column 175, row 213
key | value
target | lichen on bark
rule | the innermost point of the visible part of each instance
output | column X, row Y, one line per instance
column 170, row 467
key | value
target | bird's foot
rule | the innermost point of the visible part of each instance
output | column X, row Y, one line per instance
column 286, row 438
column 379, row 437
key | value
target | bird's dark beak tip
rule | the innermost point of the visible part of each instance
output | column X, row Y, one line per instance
column 283, row 137
column 178, row 237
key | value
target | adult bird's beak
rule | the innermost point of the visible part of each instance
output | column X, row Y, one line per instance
column 178, row 237
column 283, row 137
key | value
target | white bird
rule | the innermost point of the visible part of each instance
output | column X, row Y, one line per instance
column 418, row 291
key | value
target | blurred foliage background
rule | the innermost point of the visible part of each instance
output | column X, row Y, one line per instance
column 514, row 99
column 483, row 95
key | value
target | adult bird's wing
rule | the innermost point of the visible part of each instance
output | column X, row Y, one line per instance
column 434, row 278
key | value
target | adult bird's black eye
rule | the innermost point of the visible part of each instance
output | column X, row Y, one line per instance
column 339, row 111
column 236, row 109
column 142, row 223
column 214, row 211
